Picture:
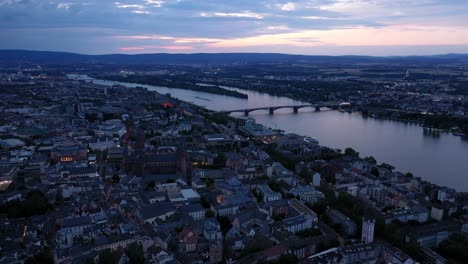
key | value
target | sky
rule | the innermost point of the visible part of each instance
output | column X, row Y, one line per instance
column 313, row 27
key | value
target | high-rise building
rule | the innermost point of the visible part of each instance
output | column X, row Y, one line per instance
column 316, row 179
column 367, row 235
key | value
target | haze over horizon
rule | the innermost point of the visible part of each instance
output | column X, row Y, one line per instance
column 314, row 27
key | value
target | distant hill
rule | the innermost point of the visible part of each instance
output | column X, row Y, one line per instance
column 15, row 57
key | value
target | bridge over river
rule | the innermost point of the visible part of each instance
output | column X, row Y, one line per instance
column 272, row 109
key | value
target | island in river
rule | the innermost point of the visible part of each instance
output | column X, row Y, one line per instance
column 180, row 83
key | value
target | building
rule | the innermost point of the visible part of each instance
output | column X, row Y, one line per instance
column 445, row 194
column 212, row 229
column 71, row 228
column 78, row 172
column 316, row 179
column 358, row 253
column 160, row 210
column 234, row 160
column 260, row 133
column 267, row 194
column 441, row 195
column 115, row 154
column 102, row 143
column 432, row 235
column 276, row 208
column 249, row 172
column 419, row 214
column 196, row 211
column 367, row 234
column 111, row 128
column 348, row 226
column 217, row 139
column 161, row 163
column 437, row 212
column 216, row 252
column 432, row 257
column 187, row 240
column 396, row 256
column 295, row 224
column 307, row 193
column 68, row 151
column 465, row 229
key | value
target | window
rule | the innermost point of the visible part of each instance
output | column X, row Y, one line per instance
column 65, row 159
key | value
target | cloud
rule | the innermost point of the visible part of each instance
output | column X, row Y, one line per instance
column 169, row 48
column 131, row 48
column 120, row 5
column 322, row 18
column 9, row 2
column 287, row 6
column 244, row 14
column 408, row 35
column 141, row 12
column 101, row 26
column 65, row 6
column 169, row 38
column 155, row 3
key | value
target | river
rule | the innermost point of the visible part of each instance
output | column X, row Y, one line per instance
column 441, row 159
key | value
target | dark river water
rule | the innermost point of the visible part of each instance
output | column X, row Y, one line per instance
column 441, row 159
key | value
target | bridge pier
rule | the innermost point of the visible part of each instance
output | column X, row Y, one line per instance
column 272, row 109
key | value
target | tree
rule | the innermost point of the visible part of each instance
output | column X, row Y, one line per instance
column 371, row 159
column 374, row 171
column 151, row 185
column 204, row 202
column 135, row 254
column 455, row 247
column 107, row 257
column 58, row 198
column 274, row 185
column 35, row 203
column 224, row 223
column 209, row 183
column 351, row 152
column 319, row 208
column 116, row 178
column 305, row 175
column 220, row 160
column 288, row 258
column 43, row 257
column 209, row 213
column 259, row 197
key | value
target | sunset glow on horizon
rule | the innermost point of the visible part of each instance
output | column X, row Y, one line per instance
column 334, row 27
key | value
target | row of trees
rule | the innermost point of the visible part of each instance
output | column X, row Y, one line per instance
column 35, row 203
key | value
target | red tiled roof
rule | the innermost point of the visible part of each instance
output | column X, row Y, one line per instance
column 275, row 251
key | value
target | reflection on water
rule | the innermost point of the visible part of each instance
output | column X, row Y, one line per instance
column 431, row 133
column 437, row 157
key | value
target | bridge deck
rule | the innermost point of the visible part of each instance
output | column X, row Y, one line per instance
column 246, row 110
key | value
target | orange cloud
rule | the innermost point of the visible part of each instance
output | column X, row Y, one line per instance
column 394, row 35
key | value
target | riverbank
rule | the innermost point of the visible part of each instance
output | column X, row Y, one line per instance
column 171, row 83
column 457, row 126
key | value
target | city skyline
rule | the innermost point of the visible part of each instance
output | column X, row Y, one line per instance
column 321, row 27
